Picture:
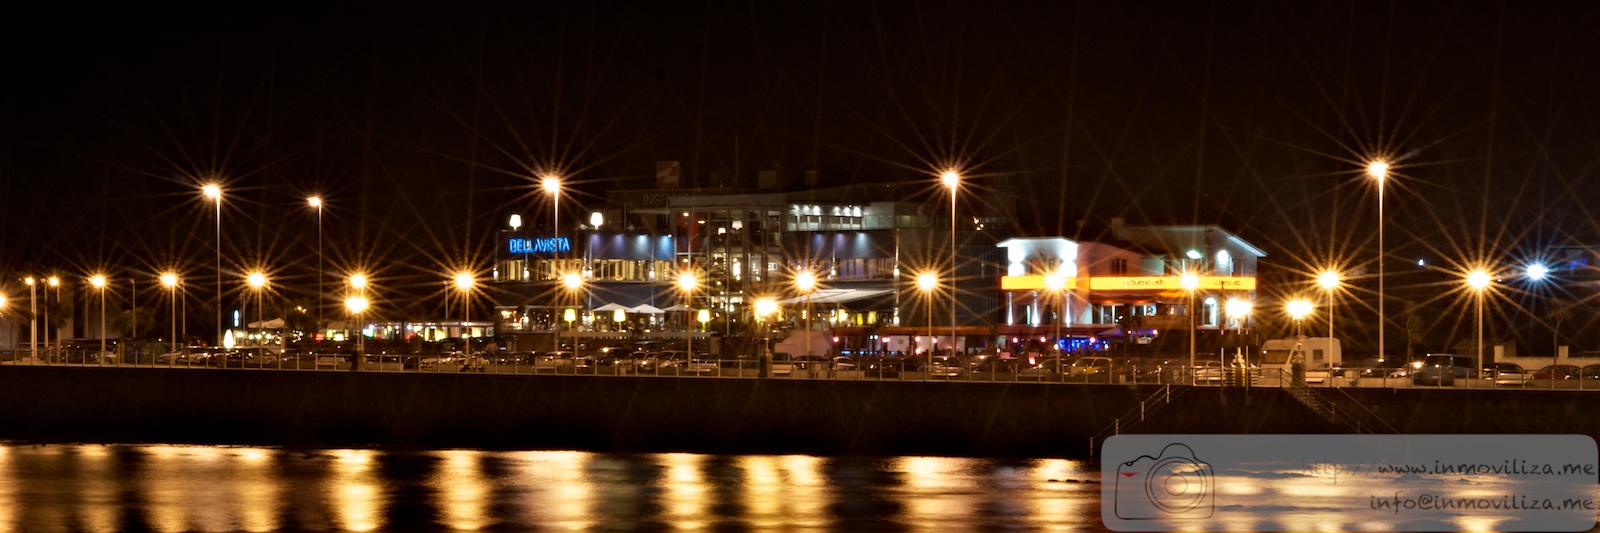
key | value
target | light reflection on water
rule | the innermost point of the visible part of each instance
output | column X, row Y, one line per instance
column 202, row 488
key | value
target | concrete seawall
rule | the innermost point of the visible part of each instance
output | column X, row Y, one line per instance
column 648, row 414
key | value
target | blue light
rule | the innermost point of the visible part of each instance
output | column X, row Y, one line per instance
column 537, row 246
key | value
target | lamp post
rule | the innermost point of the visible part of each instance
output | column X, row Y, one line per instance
column 952, row 180
column 1478, row 280
column 765, row 307
column 1299, row 309
column 464, row 282
column 573, row 282
column 1379, row 170
column 552, row 185
column 1056, row 283
column 99, row 283
column 1190, row 283
column 33, row 318
column 170, row 281
column 357, row 305
column 1239, row 310
column 927, row 281
column 55, row 286
column 358, row 282
column 806, row 282
column 258, row 280
column 316, row 202
column 214, row 192
column 687, row 283
column 1329, row 281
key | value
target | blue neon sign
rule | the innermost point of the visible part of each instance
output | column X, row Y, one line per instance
column 539, row 246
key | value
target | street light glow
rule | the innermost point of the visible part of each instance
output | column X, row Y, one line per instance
column 551, row 184
column 927, row 281
column 516, row 221
column 358, row 281
column 169, row 280
column 1237, row 308
column 1328, row 279
column 571, row 280
column 1190, row 281
column 212, row 191
column 315, row 201
column 805, row 281
column 1378, row 170
column 256, row 279
column 765, row 307
column 1299, row 308
column 54, row 281
column 950, row 179
column 1537, row 272
column 687, row 281
column 1478, row 279
column 98, row 281
column 1056, row 281
column 464, row 281
column 356, row 304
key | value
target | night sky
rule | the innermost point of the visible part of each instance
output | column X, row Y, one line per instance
column 422, row 125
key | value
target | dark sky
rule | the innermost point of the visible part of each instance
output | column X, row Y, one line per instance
column 422, row 123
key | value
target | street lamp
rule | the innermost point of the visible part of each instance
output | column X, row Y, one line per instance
column 765, row 307
column 1190, row 283
column 357, row 305
column 55, row 285
column 33, row 318
column 1239, row 310
column 99, row 283
column 572, row 281
column 806, row 282
column 1329, row 281
column 170, row 281
column 316, row 202
column 258, row 280
column 687, row 283
column 358, row 281
column 927, row 281
column 1057, row 284
column 214, row 192
column 464, row 282
column 1478, row 280
column 552, row 185
column 1379, row 170
column 952, row 180
column 1298, row 309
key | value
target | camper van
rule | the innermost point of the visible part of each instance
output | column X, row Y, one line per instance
column 1321, row 356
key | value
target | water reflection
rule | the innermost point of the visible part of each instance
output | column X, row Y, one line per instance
column 200, row 488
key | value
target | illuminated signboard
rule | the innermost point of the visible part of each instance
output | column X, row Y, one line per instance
column 1037, row 283
column 1170, row 283
column 538, row 246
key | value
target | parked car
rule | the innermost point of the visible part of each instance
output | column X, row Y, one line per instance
column 1208, row 371
column 1506, row 373
column 1590, row 372
column 1046, row 368
column 1091, row 368
column 1444, row 369
column 844, row 363
column 945, row 367
column 1557, row 372
column 1373, row 367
